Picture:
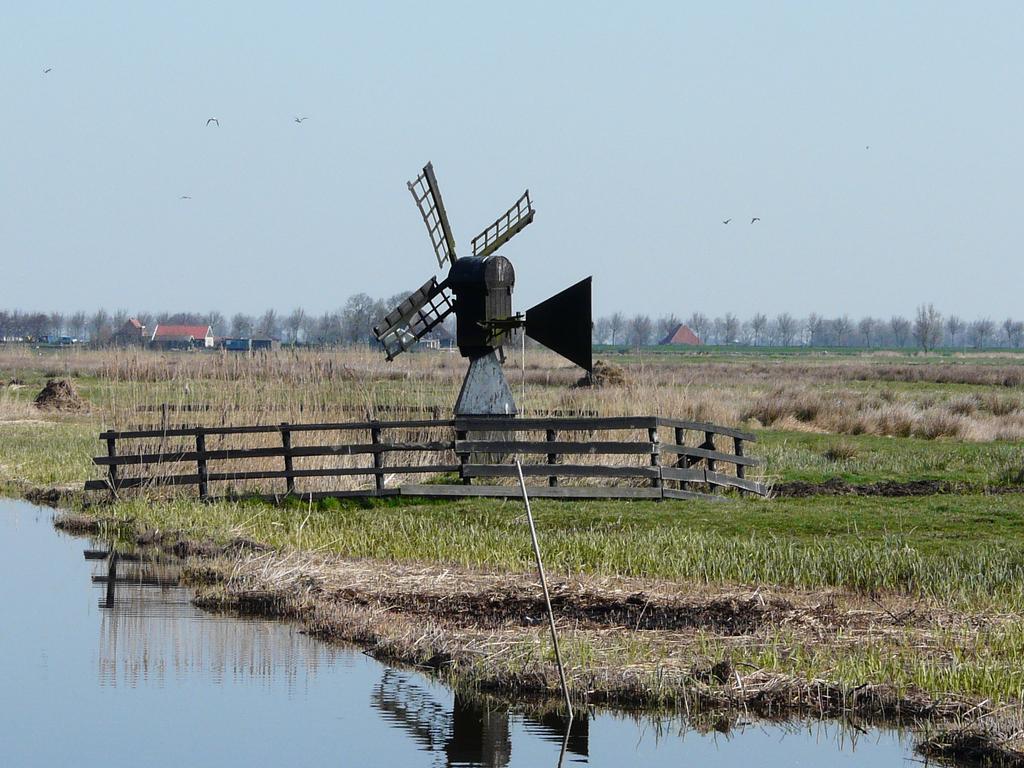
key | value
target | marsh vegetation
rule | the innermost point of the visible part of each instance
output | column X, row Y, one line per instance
column 815, row 598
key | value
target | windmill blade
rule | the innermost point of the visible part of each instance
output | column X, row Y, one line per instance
column 505, row 228
column 414, row 318
column 428, row 199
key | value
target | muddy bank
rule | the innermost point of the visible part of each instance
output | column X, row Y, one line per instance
column 991, row 741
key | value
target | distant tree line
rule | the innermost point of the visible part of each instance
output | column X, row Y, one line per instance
column 353, row 323
column 927, row 329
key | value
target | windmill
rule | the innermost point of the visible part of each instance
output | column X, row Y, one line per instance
column 478, row 289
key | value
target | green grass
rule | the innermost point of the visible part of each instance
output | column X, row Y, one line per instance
column 46, row 453
column 802, row 456
column 968, row 549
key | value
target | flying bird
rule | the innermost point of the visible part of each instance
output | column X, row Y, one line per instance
column 300, row 119
column 213, row 120
column 756, row 218
column 185, row 197
column 47, row 70
column 726, row 221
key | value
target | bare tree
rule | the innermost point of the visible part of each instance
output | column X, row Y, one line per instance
column 758, row 324
column 927, row 327
column 866, row 327
column 358, row 317
column 815, row 329
column 666, row 324
column 215, row 320
column 639, row 331
column 269, row 324
column 602, row 330
column 843, row 327
column 118, row 321
column 617, row 326
column 730, row 328
column 99, row 327
column 785, row 329
column 1014, row 330
column 954, row 325
column 980, row 332
column 76, row 324
column 294, row 323
column 241, row 325
column 329, row 328
column 900, row 328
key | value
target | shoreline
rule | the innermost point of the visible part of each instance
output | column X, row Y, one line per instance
column 629, row 643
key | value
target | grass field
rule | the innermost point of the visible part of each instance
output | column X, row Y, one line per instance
column 924, row 593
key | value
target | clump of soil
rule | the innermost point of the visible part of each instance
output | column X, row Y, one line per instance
column 603, row 375
column 836, row 486
column 59, row 395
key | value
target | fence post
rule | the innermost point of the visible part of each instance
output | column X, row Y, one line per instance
column 112, row 468
column 204, row 491
column 680, row 437
column 378, row 459
column 652, row 435
column 709, row 444
column 741, row 471
column 460, row 434
column 286, row 443
column 552, row 458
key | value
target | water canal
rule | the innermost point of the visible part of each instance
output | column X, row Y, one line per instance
column 116, row 667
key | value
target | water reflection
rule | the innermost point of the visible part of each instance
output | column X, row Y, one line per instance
column 149, row 629
column 469, row 731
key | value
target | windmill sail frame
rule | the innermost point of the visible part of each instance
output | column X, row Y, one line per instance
column 414, row 318
column 427, row 195
column 505, row 227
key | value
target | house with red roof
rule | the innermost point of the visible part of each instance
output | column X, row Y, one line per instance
column 132, row 332
column 682, row 334
column 181, row 336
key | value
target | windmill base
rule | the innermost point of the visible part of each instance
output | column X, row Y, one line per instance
column 485, row 392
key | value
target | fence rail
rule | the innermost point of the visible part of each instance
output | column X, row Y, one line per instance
column 694, row 462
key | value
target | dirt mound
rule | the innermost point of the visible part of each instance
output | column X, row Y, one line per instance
column 494, row 608
column 838, row 487
column 603, row 375
column 59, row 395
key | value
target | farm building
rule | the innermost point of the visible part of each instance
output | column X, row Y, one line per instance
column 438, row 338
column 682, row 334
column 181, row 336
column 258, row 342
column 132, row 332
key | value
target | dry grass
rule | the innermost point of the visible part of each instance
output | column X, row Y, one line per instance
column 642, row 641
column 861, row 395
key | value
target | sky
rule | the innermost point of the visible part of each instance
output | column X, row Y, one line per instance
column 879, row 143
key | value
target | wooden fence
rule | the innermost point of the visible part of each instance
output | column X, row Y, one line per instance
column 635, row 457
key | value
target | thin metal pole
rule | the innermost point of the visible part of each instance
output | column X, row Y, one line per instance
column 544, row 584
column 522, row 361
column 565, row 739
